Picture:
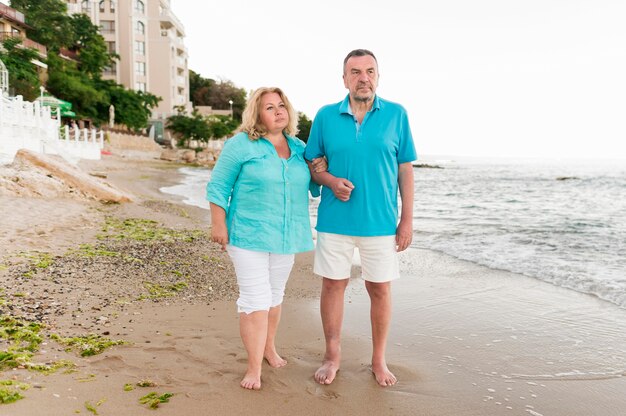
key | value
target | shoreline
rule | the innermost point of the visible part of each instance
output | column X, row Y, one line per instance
column 465, row 339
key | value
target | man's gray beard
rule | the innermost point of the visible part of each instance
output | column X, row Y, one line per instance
column 362, row 99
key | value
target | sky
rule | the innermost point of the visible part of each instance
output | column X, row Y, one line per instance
column 532, row 78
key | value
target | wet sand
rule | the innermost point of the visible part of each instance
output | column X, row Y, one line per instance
column 465, row 340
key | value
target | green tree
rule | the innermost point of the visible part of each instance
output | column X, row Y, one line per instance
column 90, row 46
column 186, row 128
column 221, row 126
column 48, row 20
column 199, row 88
column 304, row 127
column 68, row 83
column 197, row 127
column 132, row 108
column 23, row 76
column 203, row 91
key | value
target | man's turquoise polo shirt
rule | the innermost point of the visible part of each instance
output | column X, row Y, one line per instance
column 266, row 198
column 367, row 155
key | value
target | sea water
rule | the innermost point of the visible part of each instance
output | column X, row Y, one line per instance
column 563, row 222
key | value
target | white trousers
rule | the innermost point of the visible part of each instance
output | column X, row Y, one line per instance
column 261, row 276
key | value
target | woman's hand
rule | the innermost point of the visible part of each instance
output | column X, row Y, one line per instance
column 219, row 231
column 219, row 234
column 319, row 164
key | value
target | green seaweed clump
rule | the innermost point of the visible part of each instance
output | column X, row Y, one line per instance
column 153, row 400
column 159, row 291
column 18, row 332
column 9, row 391
column 39, row 260
column 145, row 230
column 87, row 345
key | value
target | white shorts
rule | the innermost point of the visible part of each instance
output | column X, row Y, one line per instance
column 261, row 277
column 334, row 253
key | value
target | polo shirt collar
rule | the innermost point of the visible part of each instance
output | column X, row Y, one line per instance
column 344, row 107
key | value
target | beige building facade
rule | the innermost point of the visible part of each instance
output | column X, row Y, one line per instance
column 149, row 40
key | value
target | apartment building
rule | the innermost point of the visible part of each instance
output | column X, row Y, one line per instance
column 13, row 25
column 149, row 39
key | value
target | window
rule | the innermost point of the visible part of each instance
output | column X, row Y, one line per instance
column 140, row 86
column 107, row 26
column 140, row 47
column 102, row 6
column 110, row 70
column 140, row 7
column 140, row 68
column 111, row 47
column 85, row 7
column 112, row 6
column 140, row 28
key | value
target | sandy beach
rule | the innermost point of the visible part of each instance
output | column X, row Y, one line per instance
column 465, row 339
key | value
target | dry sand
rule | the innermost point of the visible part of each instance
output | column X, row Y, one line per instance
column 465, row 340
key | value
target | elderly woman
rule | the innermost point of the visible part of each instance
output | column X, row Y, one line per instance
column 259, row 196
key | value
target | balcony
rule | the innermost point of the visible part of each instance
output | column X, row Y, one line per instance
column 169, row 20
column 12, row 14
column 26, row 43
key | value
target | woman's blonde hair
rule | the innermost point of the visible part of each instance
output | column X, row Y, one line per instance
column 251, row 119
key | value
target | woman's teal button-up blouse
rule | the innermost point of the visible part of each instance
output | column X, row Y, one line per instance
column 266, row 198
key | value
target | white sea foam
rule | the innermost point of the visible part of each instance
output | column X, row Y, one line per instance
column 192, row 188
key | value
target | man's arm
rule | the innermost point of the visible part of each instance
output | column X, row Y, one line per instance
column 404, row 232
column 342, row 188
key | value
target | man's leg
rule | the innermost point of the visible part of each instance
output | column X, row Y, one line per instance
column 331, row 308
column 380, row 315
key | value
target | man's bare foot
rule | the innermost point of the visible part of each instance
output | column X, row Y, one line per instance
column 384, row 377
column 251, row 382
column 327, row 372
column 274, row 360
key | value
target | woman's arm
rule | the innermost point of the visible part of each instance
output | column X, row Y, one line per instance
column 219, row 230
column 220, row 189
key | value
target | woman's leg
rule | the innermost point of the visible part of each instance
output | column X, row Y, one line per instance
column 254, row 303
column 269, row 351
column 280, row 266
column 253, row 330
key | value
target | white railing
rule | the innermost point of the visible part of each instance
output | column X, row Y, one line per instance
column 26, row 125
column 77, row 143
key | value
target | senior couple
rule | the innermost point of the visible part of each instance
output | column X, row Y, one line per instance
column 360, row 151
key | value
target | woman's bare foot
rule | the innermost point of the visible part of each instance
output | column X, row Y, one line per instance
column 384, row 377
column 274, row 360
column 327, row 372
column 251, row 381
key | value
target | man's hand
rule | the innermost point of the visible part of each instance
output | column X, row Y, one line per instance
column 342, row 188
column 404, row 235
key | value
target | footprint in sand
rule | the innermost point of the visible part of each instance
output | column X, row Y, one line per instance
column 323, row 392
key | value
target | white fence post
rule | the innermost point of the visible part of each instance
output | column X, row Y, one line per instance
column 26, row 125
